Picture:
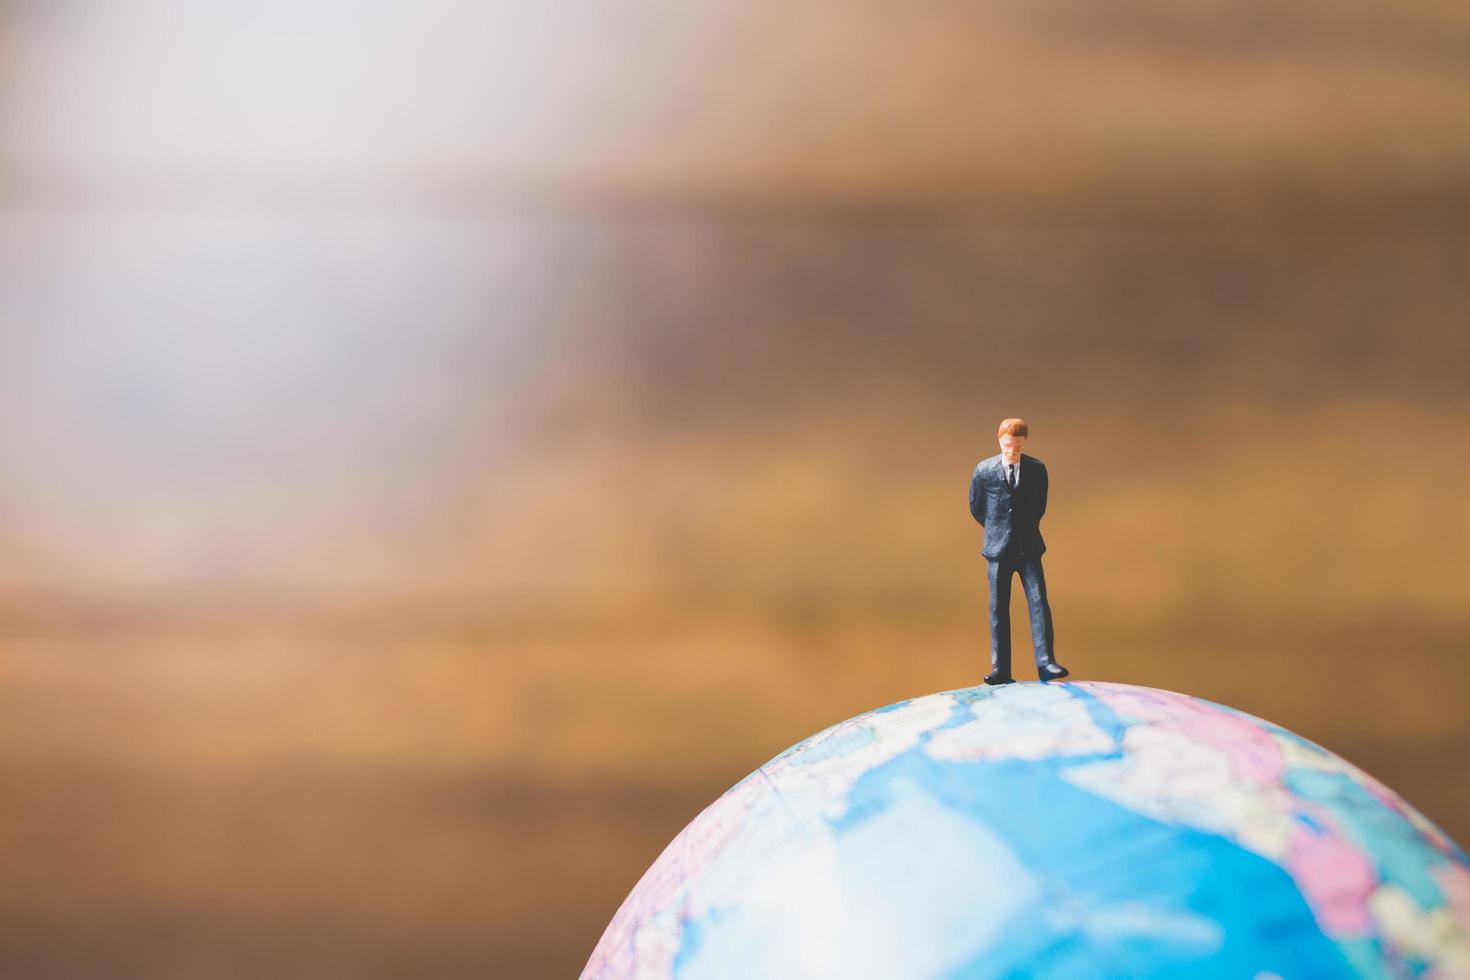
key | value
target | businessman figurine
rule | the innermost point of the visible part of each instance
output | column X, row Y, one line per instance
column 1008, row 499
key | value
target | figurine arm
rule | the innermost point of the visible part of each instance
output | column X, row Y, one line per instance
column 1041, row 496
column 977, row 498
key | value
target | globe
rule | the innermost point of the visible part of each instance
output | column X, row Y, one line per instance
column 1050, row 830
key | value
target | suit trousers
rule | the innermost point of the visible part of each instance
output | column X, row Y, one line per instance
column 1033, row 580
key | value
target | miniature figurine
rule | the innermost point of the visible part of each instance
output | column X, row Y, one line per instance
column 1008, row 499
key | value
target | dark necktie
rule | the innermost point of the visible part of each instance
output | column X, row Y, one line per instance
column 1011, row 475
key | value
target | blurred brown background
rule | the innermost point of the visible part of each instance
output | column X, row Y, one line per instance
column 443, row 446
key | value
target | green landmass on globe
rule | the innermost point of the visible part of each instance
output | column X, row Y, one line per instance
column 1050, row 830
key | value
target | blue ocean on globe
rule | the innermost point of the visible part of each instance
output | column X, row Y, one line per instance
column 1050, row 830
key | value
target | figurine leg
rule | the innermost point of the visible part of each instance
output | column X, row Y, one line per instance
column 999, row 573
column 1033, row 580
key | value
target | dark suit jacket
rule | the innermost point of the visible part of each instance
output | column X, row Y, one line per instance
column 1012, row 520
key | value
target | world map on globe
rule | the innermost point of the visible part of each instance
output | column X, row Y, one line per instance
column 1050, row 830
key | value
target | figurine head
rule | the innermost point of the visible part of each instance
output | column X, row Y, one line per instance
column 1012, row 435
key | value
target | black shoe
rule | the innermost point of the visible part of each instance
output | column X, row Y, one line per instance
column 1051, row 672
column 996, row 677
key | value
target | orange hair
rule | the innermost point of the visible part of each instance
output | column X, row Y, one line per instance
column 1013, row 427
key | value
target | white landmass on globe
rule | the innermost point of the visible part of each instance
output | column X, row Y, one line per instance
column 1046, row 723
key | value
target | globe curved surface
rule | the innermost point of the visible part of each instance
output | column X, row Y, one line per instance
column 1050, row 830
